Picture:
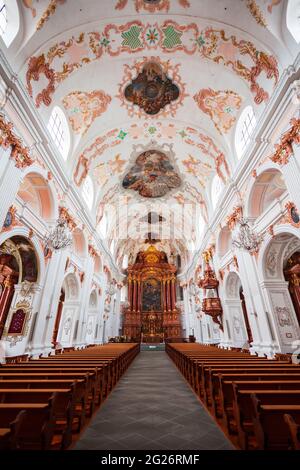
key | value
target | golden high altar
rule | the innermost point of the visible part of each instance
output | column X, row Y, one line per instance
column 152, row 316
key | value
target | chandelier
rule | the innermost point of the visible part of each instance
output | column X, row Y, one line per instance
column 60, row 237
column 246, row 239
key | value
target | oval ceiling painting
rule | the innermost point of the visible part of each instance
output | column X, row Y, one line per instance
column 152, row 175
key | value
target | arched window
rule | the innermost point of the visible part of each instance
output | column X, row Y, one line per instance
column 88, row 191
column 59, row 131
column 216, row 189
column 244, row 129
column 293, row 19
column 3, row 18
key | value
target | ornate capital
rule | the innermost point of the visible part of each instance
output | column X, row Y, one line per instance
column 234, row 217
column 92, row 251
column 64, row 213
column 284, row 149
column 19, row 153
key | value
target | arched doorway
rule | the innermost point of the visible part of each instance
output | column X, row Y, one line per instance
column 292, row 275
column 18, row 263
column 279, row 268
column 67, row 321
column 91, row 322
column 245, row 313
column 237, row 311
column 58, row 316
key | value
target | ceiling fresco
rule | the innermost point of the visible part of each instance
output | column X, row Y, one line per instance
column 65, row 57
column 152, row 175
column 163, row 79
column 151, row 90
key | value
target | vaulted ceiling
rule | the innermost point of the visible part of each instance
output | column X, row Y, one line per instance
column 222, row 55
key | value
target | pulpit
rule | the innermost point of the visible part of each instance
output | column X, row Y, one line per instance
column 152, row 315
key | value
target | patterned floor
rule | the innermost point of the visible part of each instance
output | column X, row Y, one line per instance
column 152, row 407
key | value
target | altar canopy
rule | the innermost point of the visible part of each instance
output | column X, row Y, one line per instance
column 152, row 315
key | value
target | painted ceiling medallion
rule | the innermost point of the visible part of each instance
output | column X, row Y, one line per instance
column 152, row 90
column 83, row 108
column 152, row 175
column 221, row 105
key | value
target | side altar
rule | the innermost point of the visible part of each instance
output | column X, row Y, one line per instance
column 152, row 316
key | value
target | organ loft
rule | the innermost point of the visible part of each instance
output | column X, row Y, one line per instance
column 151, row 315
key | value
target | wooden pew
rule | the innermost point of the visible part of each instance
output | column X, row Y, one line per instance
column 294, row 432
column 212, row 373
column 270, row 429
column 223, row 401
column 63, row 407
column 243, row 410
column 83, row 377
column 209, row 371
column 9, row 437
column 37, row 429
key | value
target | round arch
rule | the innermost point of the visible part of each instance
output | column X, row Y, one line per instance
column 34, row 241
column 39, row 193
column 267, row 187
column 80, row 246
column 224, row 241
column 271, row 257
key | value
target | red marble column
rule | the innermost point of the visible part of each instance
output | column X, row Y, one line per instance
column 173, row 294
column 165, row 296
column 139, row 288
column 130, row 292
column 168, row 295
column 134, row 295
column 5, row 302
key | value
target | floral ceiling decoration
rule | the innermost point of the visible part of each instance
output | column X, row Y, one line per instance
column 212, row 157
column 152, row 175
column 153, row 87
column 83, row 108
column 151, row 90
column 201, row 170
column 50, row 10
column 221, row 106
column 256, row 13
column 65, row 57
column 284, row 149
column 151, row 6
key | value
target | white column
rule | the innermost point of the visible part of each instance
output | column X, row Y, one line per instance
column 10, row 180
column 84, row 304
column 117, row 313
column 100, row 320
column 226, row 335
column 51, row 295
column 186, row 312
column 291, row 173
column 280, row 306
column 38, row 345
column 237, row 323
column 263, row 342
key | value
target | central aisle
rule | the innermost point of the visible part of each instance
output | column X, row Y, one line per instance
column 152, row 407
